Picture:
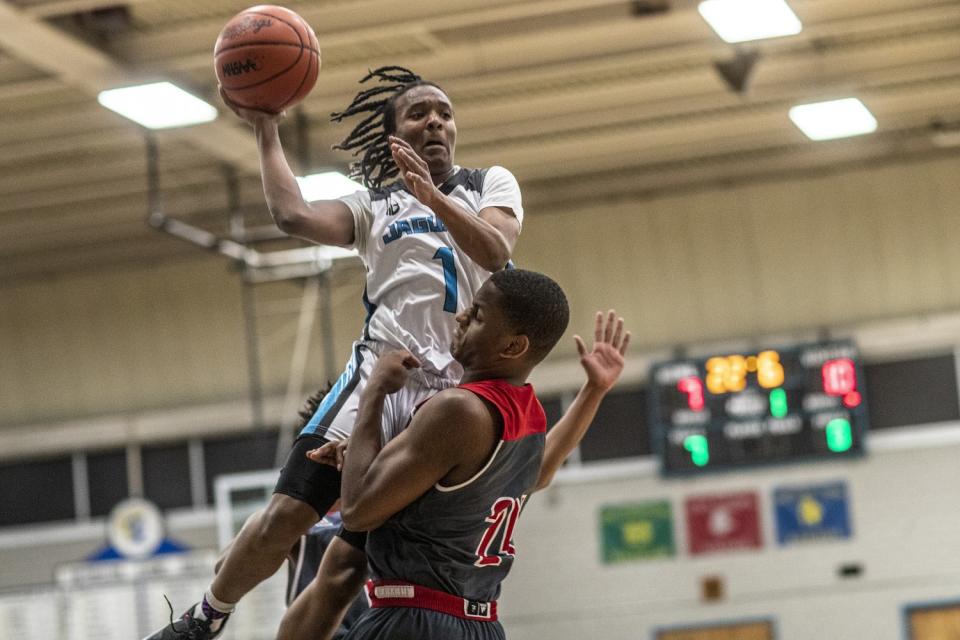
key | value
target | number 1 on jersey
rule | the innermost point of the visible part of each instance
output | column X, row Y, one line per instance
column 445, row 256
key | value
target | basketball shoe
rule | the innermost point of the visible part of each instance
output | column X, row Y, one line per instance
column 191, row 627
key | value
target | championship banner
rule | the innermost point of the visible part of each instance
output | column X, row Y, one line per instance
column 814, row 512
column 636, row 531
column 725, row 522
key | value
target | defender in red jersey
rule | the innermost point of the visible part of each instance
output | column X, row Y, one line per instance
column 441, row 500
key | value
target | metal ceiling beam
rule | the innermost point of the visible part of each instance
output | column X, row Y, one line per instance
column 781, row 77
column 561, row 194
column 77, row 64
column 623, row 107
column 24, row 88
column 62, row 7
column 365, row 21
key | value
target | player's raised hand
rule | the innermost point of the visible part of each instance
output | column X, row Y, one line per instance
column 251, row 116
column 604, row 362
column 413, row 170
column 391, row 371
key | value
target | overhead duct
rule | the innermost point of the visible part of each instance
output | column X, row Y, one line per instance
column 736, row 71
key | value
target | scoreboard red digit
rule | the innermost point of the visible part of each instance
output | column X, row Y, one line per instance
column 769, row 406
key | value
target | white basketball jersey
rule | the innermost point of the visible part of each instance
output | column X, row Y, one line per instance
column 418, row 279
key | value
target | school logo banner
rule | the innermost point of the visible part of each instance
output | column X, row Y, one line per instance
column 636, row 531
column 810, row 513
column 723, row 522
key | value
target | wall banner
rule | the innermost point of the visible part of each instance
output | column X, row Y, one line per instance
column 723, row 522
column 636, row 531
column 813, row 512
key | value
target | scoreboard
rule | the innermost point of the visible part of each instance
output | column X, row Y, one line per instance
column 769, row 406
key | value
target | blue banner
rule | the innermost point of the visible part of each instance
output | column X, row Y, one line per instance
column 814, row 512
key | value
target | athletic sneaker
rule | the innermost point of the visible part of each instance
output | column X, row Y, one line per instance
column 190, row 628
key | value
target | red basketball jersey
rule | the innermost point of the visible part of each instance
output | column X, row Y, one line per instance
column 459, row 539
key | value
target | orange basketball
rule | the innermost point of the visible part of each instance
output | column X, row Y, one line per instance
column 267, row 58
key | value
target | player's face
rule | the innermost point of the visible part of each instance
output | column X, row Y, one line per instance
column 425, row 120
column 482, row 330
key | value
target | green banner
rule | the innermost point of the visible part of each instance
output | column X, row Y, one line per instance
column 636, row 531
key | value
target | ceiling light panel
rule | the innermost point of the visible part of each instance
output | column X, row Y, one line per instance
column 833, row 119
column 159, row 105
column 745, row 20
column 327, row 186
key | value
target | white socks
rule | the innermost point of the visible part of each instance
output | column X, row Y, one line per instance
column 214, row 610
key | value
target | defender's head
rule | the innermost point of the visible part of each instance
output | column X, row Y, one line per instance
column 516, row 319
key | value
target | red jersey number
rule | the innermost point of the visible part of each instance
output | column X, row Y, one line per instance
column 503, row 515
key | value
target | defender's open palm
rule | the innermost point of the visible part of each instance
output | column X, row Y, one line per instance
column 603, row 364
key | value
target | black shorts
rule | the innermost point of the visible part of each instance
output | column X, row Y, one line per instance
column 304, row 565
column 316, row 484
column 397, row 623
column 301, row 478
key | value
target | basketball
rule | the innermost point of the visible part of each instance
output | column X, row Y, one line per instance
column 267, row 58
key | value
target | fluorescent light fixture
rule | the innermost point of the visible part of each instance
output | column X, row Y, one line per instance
column 833, row 119
column 327, row 186
column 743, row 20
column 159, row 105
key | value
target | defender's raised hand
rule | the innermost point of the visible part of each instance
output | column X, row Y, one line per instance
column 603, row 363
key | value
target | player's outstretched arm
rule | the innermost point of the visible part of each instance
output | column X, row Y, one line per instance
column 603, row 365
column 323, row 221
column 379, row 481
column 488, row 238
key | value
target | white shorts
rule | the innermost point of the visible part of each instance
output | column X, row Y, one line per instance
column 337, row 413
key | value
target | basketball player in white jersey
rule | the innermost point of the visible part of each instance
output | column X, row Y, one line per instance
column 428, row 241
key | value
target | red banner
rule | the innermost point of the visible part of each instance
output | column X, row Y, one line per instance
column 723, row 522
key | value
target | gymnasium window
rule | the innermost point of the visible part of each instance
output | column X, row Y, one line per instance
column 107, row 479
column 249, row 452
column 166, row 475
column 620, row 428
column 912, row 392
column 36, row 491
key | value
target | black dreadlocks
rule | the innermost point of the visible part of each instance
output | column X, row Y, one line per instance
column 310, row 405
column 369, row 137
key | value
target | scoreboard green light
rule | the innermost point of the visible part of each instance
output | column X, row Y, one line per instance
column 770, row 406
column 839, row 435
column 699, row 450
column 778, row 403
